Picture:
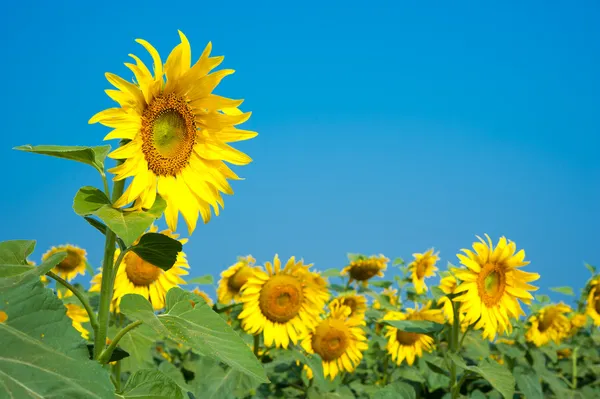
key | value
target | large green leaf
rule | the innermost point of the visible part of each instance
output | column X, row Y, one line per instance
column 415, row 326
column 138, row 343
column 19, row 272
column 196, row 326
column 315, row 363
column 150, row 384
column 213, row 382
column 396, row 390
column 497, row 375
column 93, row 156
column 529, row 383
column 15, row 252
column 158, row 249
column 42, row 355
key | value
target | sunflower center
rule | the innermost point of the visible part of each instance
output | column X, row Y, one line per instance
column 71, row 262
column 281, row 298
column 597, row 304
column 330, row 339
column 491, row 284
column 547, row 320
column 407, row 338
column 351, row 303
column 237, row 281
column 168, row 134
column 364, row 271
column 139, row 271
column 421, row 269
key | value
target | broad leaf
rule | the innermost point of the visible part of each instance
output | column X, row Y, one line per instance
column 415, row 326
column 529, row 383
column 314, row 362
column 203, row 280
column 381, row 283
column 93, row 156
column 396, row 390
column 15, row 252
column 42, row 355
column 542, row 298
column 213, row 382
column 151, row 384
column 19, row 272
column 563, row 290
column 175, row 374
column 331, row 273
column 88, row 200
column 158, row 249
column 101, row 227
column 138, row 343
column 497, row 375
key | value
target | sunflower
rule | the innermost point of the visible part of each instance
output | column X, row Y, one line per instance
column 423, row 266
column 491, row 285
column 505, row 341
column 283, row 303
column 391, row 294
column 577, row 321
column 202, row 295
column 338, row 340
column 564, row 353
column 78, row 315
column 136, row 276
column 407, row 345
column 549, row 324
column 356, row 303
column 234, row 278
column 593, row 301
column 447, row 285
column 363, row 268
column 177, row 133
column 72, row 265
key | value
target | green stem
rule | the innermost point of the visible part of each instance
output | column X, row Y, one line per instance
column 574, row 377
column 462, row 340
column 118, row 263
column 106, row 353
column 226, row 308
column 256, row 344
column 105, row 182
column 81, row 297
column 386, row 376
column 117, row 375
column 454, row 348
column 456, row 392
column 106, row 289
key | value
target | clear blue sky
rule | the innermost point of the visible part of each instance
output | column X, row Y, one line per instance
column 384, row 127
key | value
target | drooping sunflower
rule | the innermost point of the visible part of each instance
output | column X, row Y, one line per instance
column 492, row 284
column 578, row 321
column 356, row 303
column 391, row 294
column 338, row 340
column 203, row 295
column 549, row 324
column 422, row 267
column 408, row 346
column 283, row 303
column 177, row 133
column 447, row 284
column 234, row 278
column 365, row 268
column 593, row 301
column 136, row 276
column 70, row 266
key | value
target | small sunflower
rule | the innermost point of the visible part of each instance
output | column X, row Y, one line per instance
column 356, row 303
column 578, row 321
column 447, row 284
column 136, row 276
column 234, row 278
column 549, row 324
column 338, row 340
column 492, row 285
column 363, row 268
column 203, row 295
column 283, row 303
column 391, row 294
column 593, row 301
column 422, row 267
column 177, row 133
column 70, row 266
column 78, row 316
column 408, row 346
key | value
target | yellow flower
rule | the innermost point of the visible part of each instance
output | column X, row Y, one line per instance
column 447, row 285
column 577, row 321
column 364, row 268
column 392, row 296
column 234, row 278
column 356, row 303
column 505, row 341
column 423, row 266
column 593, row 301
column 407, row 345
column 136, row 276
column 283, row 303
column 203, row 295
column 549, row 324
column 70, row 266
column 492, row 284
column 3, row 316
column 564, row 353
column 78, row 315
column 178, row 132
column 338, row 340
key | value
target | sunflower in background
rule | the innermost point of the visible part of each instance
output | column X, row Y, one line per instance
column 492, row 285
column 408, row 346
column 136, row 276
column 363, row 268
column 447, row 284
column 593, row 301
column 234, row 278
column 177, row 133
column 391, row 294
column 72, row 265
column 202, row 295
column 282, row 303
column 549, row 324
column 577, row 321
column 422, row 267
column 339, row 340
column 356, row 303
column 76, row 313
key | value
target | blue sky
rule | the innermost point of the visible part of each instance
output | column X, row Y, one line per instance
column 384, row 127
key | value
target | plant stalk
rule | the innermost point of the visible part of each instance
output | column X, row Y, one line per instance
column 386, row 376
column 574, row 376
column 106, row 353
column 454, row 348
column 256, row 344
column 81, row 297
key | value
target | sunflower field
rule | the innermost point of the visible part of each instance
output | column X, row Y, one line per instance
column 374, row 327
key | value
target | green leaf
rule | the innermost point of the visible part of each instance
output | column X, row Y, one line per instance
column 101, row 227
column 158, row 249
column 396, row 390
column 19, row 272
column 175, row 374
column 398, row 261
column 212, row 382
column 331, row 273
column 151, row 384
column 415, row 326
column 203, row 280
column 42, row 354
column 542, row 299
column 93, row 156
column 529, row 383
column 138, row 343
column 117, row 354
column 497, row 375
column 591, row 268
column 198, row 327
column 381, row 283
column 437, row 293
column 409, row 373
column 15, row 252
column 315, row 363
column 88, row 200
column 563, row 290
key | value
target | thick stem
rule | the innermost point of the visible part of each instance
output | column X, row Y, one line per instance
column 386, row 376
column 256, row 344
column 454, row 349
column 574, row 377
column 81, row 297
column 105, row 182
column 117, row 375
column 106, row 354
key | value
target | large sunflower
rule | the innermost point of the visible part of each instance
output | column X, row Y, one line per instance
column 283, row 303
column 356, row 303
column 593, row 301
column 492, row 284
column 408, row 346
column 339, row 340
column 136, row 276
column 72, row 265
column 234, row 278
column 422, row 267
column 447, row 284
column 363, row 268
column 549, row 324
column 177, row 133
